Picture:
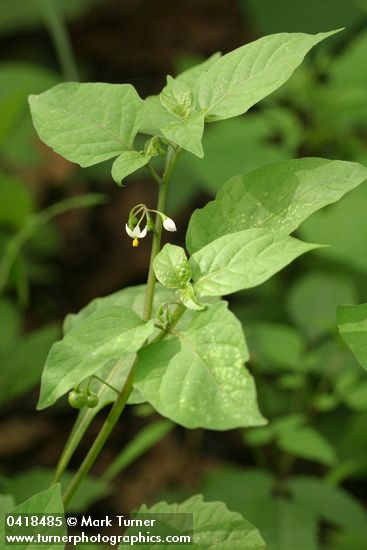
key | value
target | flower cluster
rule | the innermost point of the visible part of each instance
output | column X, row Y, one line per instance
column 141, row 221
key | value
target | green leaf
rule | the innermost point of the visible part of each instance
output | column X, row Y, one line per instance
column 127, row 163
column 241, row 78
column 171, row 267
column 131, row 297
column 87, row 123
column 191, row 76
column 309, row 444
column 197, row 378
column 214, row 526
column 176, row 97
column 185, row 132
column 313, row 299
column 278, row 197
column 243, row 260
column 113, row 372
column 352, row 321
column 107, row 335
column 189, row 299
column 46, row 502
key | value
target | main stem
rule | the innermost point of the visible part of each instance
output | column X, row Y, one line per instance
column 122, row 398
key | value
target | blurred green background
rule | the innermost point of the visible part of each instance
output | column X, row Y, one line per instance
column 302, row 479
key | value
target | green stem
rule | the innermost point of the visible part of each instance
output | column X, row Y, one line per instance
column 56, row 27
column 161, row 206
column 123, row 397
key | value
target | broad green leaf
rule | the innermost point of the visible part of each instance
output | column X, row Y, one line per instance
column 243, row 260
column 278, row 197
column 46, row 502
column 22, row 362
column 114, row 372
column 352, row 321
column 197, row 377
column 313, row 299
column 171, row 267
column 332, row 504
column 189, row 299
column 107, row 335
column 191, row 76
column 127, row 163
column 87, row 123
column 131, row 297
column 176, row 97
column 343, row 226
column 241, row 78
column 214, row 526
column 187, row 133
column 309, row 444
column 140, row 444
column 25, row 484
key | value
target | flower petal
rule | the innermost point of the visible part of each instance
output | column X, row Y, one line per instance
column 143, row 233
column 129, row 232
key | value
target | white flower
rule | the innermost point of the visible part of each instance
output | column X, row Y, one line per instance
column 169, row 224
column 136, row 233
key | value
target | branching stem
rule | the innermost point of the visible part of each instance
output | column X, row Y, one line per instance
column 123, row 396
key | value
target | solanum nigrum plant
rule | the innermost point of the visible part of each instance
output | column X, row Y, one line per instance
column 173, row 342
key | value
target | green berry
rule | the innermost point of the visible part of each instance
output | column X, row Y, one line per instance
column 92, row 400
column 77, row 400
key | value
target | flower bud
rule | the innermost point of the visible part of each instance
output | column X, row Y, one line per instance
column 169, row 224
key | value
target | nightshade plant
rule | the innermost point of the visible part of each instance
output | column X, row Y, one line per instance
column 174, row 343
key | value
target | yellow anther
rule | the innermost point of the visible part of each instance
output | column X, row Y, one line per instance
column 135, row 243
